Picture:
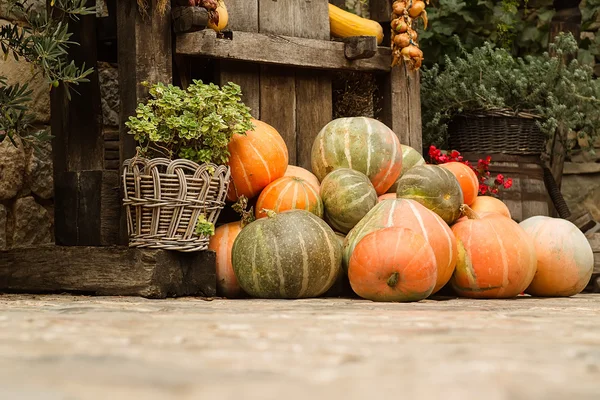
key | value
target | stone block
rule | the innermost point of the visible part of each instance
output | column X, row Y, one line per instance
column 32, row 225
column 108, row 76
column 2, row 227
column 39, row 171
column 12, row 168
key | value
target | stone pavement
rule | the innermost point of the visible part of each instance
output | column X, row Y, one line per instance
column 70, row 347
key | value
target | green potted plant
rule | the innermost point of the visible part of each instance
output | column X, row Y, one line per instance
column 488, row 101
column 175, row 186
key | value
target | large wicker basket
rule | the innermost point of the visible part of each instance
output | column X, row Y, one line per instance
column 164, row 199
column 496, row 132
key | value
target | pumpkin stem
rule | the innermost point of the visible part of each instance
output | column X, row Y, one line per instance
column 270, row 213
column 468, row 212
column 393, row 280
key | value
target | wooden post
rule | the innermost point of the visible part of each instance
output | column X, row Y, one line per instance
column 567, row 19
column 145, row 54
column 86, row 196
column 400, row 90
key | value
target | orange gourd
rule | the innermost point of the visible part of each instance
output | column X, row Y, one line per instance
column 496, row 257
column 393, row 264
column 289, row 193
column 489, row 204
column 565, row 259
column 466, row 178
column 412, row 215
column 257, row 158
column 305, row 174
column 221, row 243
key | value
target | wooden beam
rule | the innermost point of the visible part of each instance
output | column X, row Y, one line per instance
column 108, row 271
column 400, row 105
column 189, row 19
column 145, row 54
column 279, row 50
column 359, row 47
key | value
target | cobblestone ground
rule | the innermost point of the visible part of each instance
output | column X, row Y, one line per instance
column 67, row 347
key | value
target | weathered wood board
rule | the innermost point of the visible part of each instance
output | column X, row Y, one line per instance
column 110, row 271
column 280, row 50
column 243, row 17
column 145, row 54
column 400, row 105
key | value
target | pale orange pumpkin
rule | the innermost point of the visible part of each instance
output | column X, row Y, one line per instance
column 305, row 174
column 221, row 243
column 489, row 204
column 565, row 259
column 466, row 178
column 393, row 264
column 496, row 257
column 289, row 193
column 256, row 159
column 404, row 213
column 386, row 196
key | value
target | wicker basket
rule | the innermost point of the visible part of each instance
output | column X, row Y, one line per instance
column 164, row 199
column 497, row 131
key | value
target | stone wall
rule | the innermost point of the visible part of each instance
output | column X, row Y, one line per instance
column 26, row 185
column 581, row 182
column 26, row 181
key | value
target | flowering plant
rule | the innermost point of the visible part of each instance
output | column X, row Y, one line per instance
column 488, row 185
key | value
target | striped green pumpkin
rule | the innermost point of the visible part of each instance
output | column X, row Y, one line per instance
column 410, row 158
column 290, row 255
column 362, row 144
column 434, row 187
column 348, row 196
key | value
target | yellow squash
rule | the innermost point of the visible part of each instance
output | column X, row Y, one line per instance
column 345, row 24
column 223, row 18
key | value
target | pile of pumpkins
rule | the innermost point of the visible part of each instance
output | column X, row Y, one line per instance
column 374, row 214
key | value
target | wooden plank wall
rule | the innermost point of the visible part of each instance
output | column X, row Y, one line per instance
column 145, row 54
column 86, row 196
column 298, row 103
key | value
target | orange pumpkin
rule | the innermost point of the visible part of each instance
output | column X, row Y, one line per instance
column 393, row 264
column 256, row 159
column 305, row 174
column 489, row 204
column 289, row 193
column 496, row 257
column 386, row 196
column 404, row 213
column 466, row 178
column 565, row 260
column 221, row 243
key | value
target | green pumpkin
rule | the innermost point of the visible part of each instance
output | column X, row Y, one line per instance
column 410, row 158
column 434, row 187
column 348, row 196
column 362, row 144
column 290, row 255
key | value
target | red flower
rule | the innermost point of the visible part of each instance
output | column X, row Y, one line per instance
column 508, row 183
column 454, row 154
column 499, row 179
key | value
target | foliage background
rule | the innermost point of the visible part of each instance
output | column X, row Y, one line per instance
column 521, row 26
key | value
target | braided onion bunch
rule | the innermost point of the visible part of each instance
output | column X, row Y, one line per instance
column 404, row 38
